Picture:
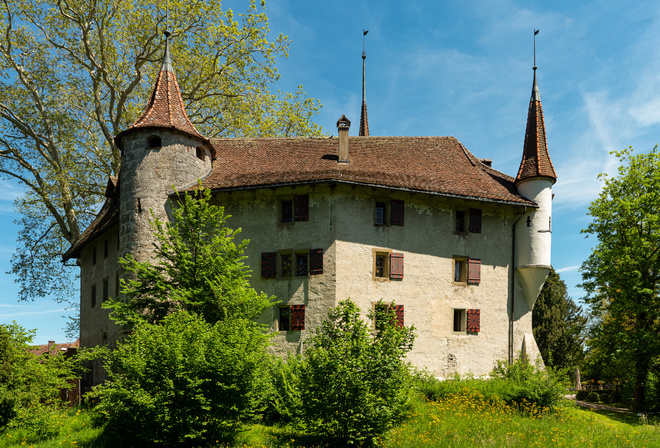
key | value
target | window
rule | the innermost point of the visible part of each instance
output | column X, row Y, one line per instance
column 268, row 264
column 467, row 270
column 460, row 270
column 106, row 293
column 468, row 221
column 382, row 309
column 291, row 318
column 199, row 152
column 391, row 213
column 387, row 265
column 93, row 298
column 294, row 210
column 287, row 266
column 302, row 264
column 154, row 142
column 459, row 320
column 105, row 248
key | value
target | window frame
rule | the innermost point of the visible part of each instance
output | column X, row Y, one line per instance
column 463, row 274
column 385, row 253
column 299, row 254
column 461, row 313
column 293, row 321
column 298, row 206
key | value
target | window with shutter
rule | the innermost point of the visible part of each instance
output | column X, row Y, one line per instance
column 268, row 264
column 475, row 220
column 297, row 317
column 316, row 261
column 301, row 208
column 397, row 209
column 473, row 321
column 284, row 318
column 396, row 265
column 398, row 309
column 474, row 271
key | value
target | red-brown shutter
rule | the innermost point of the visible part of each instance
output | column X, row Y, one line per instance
column 268, row 264
column 297, row 317
column 301, row 208
column 397, row 209
column 474, row 271
column 398, row 309
column 316, row 261
column 475, row 220
column 473, row 321
column 396, row 265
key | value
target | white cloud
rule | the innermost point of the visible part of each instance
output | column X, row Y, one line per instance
column 568, row 269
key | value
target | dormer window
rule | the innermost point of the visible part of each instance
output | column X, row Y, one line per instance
column 200, row 153
column 154, row 142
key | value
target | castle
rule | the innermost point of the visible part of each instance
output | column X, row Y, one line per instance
column 461, row 249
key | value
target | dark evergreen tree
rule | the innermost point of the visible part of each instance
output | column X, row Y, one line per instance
column 558, row 325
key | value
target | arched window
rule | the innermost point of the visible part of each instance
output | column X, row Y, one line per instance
column 154, row 142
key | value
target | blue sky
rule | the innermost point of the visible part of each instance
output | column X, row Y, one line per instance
column 462, row 69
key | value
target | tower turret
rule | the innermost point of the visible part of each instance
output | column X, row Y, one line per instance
column 161, row 150
column 534, row 181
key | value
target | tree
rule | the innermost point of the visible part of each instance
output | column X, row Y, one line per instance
column 184, row 382
column 354, row 379
column 196, row 267
column 558, row 325
column 29, row 384
column 76, row 73
column 622, row 275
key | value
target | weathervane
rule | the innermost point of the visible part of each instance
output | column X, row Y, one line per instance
column 535, row 33
column 364, row 33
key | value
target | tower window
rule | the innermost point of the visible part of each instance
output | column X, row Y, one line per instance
column 154, row 142
column 199, row 151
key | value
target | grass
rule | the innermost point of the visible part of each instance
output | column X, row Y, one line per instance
column 465, row 419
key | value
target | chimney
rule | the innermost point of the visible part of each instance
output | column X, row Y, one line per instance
column 50, row 345
column 342, row 129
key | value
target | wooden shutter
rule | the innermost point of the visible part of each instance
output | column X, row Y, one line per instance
column 301, row 208
column 475, row 220
column 473, row 321
column 398, row 309
column 396, row 265
column 268, row 264
column 316, row 261
column 397, row 209
column 297, row 317
column 474, row 271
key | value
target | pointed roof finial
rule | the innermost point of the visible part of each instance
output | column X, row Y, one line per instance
column 364, row 122
column 536, row 158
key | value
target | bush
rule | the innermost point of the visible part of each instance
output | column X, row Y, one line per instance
column 283, row 401
column 355, row 380
column 185, row 382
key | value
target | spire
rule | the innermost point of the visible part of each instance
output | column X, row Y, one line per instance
column 364, row 121
column 165, row 108
column 536, row 159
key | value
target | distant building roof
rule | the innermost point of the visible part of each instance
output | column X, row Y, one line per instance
column 52, row 347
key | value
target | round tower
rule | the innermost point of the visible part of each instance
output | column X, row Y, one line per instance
column 161, row 152
column 534, row 181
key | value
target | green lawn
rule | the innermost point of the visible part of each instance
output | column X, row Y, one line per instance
column 462, row 420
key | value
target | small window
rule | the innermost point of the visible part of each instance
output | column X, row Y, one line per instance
column 105, row 248
column 154, row 142
column 379, row 217
column 460, row 270
column 460, row 221
column 291, row 318
column 106, row 292
column 93, row 298
column 294, row 210
column 287, row 212
column 382, row 265
column 302, row 264
column 93, row 256
column 382, row 309
column 286, row 265
column 459, row 320
column 199, row 152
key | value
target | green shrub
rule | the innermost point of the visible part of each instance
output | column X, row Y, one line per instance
column 283, row 401
column 185, row 382
column 354, row 381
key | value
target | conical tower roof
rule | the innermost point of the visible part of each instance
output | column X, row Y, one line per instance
column 165, row 108
column 536, row 159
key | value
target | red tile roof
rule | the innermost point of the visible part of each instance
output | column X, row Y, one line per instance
column 436, row 165
column 165, row 108
column 536, row 159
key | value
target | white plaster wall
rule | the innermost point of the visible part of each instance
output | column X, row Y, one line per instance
column 534, row 242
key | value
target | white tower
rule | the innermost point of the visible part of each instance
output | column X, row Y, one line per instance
column 534, row 181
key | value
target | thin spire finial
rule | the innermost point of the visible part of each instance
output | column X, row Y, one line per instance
column 535, row 33
column 364, row 122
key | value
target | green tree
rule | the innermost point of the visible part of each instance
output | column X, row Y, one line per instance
column 196, row 267
column 622, row 275
column 29, row 384
column 558, row 325
column 184, row 382
column 76, row 73
column 354, row 378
